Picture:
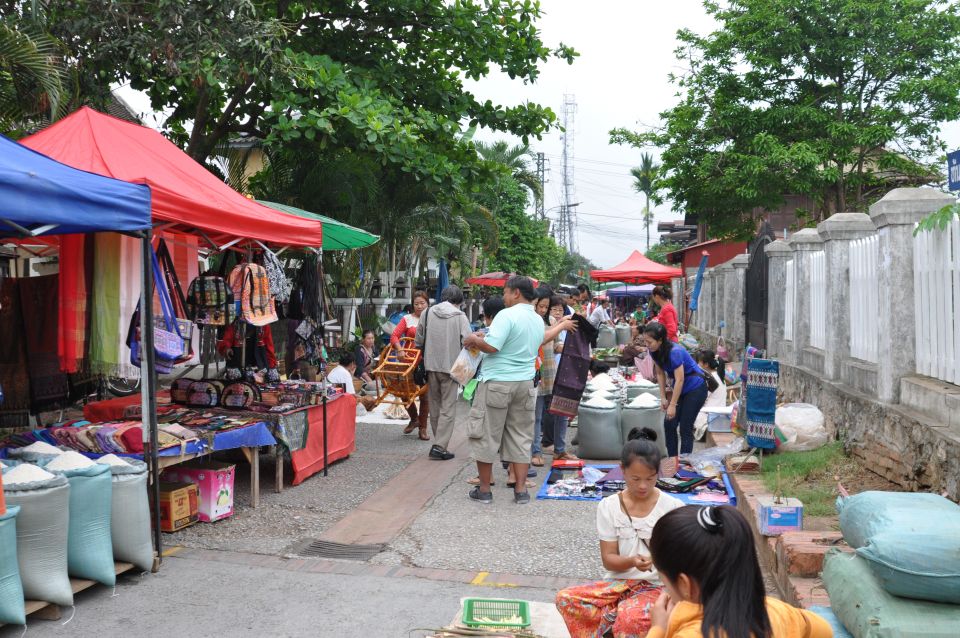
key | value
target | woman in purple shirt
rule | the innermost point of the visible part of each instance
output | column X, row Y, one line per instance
column 689, row 387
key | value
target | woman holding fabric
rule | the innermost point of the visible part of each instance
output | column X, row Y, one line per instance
column 408, row 328
column 690, row 388
column 625, row 521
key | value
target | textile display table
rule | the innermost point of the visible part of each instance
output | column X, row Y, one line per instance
column 300, row 431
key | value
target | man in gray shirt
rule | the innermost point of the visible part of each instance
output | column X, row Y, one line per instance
column 440, row 334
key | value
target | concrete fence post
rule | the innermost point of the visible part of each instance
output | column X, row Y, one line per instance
column 838, row 232
column 778, row 347
column 737, row 324
column 722, row 276
column 895, row 216
column 803, row 241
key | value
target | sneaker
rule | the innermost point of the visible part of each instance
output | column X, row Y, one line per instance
column 521, row 498
column 482, row 497
column 437, row 453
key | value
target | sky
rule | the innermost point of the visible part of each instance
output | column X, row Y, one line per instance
column 620, row 80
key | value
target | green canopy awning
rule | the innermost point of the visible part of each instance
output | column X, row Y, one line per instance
column 336, row 235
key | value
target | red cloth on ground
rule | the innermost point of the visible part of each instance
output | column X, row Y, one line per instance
column 341, row 431
column 668, row 317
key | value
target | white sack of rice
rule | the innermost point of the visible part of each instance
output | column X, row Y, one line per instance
column 599, row 402
column 42, row 448
column 69, row 461
column 645, row 401
column 112, row 459
column 26, row 473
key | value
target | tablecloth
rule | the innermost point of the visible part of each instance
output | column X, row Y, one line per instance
column 341, row 430
column 117, row 409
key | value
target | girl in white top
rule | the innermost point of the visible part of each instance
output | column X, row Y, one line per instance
column 625, row 522
column 714, row 365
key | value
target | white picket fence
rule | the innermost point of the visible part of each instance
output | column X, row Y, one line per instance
column 790, row 295
column 818, row 299
column 936, row 268
column 864, row 299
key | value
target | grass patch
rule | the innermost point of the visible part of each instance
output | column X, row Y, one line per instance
column 809, row 476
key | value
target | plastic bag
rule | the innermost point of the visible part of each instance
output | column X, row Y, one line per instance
column 803, row 426
column 465, row 367
column 709, row 462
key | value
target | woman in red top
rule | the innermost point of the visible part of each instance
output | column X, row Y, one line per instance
column 408, row 328
column 668, row 314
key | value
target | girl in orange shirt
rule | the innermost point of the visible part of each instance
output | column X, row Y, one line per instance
column 712, row 582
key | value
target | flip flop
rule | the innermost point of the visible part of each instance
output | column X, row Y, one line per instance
column 476, row 481
column 537, row 461
column 513, row 484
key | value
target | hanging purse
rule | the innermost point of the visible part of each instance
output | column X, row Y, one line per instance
column 167, row 342
column 178, row 302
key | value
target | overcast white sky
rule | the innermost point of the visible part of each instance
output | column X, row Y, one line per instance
column 620, row 79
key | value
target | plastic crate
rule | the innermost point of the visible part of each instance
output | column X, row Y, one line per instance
column 494, row 612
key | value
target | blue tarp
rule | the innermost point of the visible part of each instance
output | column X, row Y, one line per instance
column 695, row 296
column 443, row 278
column 50, row 198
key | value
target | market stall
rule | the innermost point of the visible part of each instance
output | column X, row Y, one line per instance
column 637, row 269
column 40, row 198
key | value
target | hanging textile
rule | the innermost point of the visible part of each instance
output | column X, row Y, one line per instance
column 75, row 279
column 49, row 387
column 15, row 409
column 279, row 284
column 573, row 368
column 763, row 376
column 116, row 290
column 184, row 253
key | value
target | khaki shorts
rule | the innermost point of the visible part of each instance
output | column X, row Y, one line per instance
column 501, row 421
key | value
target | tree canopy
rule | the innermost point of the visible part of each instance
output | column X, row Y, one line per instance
column 836, row 99
column 384, row 77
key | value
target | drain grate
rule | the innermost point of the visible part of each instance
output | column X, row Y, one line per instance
column 316, row 548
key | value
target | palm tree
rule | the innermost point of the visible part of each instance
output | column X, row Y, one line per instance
column 35, row 82
column 644, row 181
column 515, row 159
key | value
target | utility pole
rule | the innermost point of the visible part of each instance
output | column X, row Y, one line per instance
column 542, row 177
column 568, row 215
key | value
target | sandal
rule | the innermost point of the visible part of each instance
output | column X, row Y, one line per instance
column 566, row 456
column 476, row 481
column 513, row 484
column 537, row 461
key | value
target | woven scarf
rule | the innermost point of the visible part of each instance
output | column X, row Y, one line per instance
column 116, row 290
column 15, row 409
column 49, row 386
column 74, row 285
column 573, row 368
column 763, row 376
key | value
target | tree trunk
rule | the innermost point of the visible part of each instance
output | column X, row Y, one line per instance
column 646, row 220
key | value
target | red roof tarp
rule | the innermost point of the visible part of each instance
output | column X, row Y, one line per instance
column 637, row 269
column 495, row 279
column 182, row 191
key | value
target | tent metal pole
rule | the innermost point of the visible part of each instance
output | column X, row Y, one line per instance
column 148, row 386
column 323, row 376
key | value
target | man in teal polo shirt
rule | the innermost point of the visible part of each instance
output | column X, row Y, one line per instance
column 502, row 417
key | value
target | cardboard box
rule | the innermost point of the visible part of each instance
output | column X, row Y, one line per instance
column 775, row 518
column 178, row 506
column 214, row 481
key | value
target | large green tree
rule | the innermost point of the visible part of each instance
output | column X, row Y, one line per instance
column 836, row 99
column 381, row 76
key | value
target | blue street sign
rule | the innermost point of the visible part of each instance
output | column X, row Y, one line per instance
column 953, row 170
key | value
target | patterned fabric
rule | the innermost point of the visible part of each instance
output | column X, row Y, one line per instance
column 49, row 387
column 763, row 376
column 210, row 301
column 76, row 277
column 548, row 370
column 572, row 371
column 15, row 409
column 280, row 286
column 620, row 606
column 252, row 287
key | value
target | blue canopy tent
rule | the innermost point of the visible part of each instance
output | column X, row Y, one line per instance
column 40, row 197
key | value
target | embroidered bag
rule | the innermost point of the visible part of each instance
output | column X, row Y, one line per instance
column 180, row 390
column 240, row 395
column 206, row 393
column 251, row 286
column 210, row 301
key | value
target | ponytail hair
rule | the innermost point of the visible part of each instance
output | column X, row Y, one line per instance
column 714, row 547
column 641, row 446
column 710, row 358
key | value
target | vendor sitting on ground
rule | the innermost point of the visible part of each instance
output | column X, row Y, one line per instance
column 343, row 374
column 712, row 581
column 260, row 353
column 625, row 522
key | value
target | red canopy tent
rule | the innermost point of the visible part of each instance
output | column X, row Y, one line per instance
column 184, row 194
column 495, row 279
column 637, row 269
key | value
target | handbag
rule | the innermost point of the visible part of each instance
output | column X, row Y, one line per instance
column 722, row 351
column 168, row 344
column 178, row 302
column 205, row 394
column 239, row 395
column 420, row 371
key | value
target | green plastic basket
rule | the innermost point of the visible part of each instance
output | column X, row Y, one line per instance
column 494, row 612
